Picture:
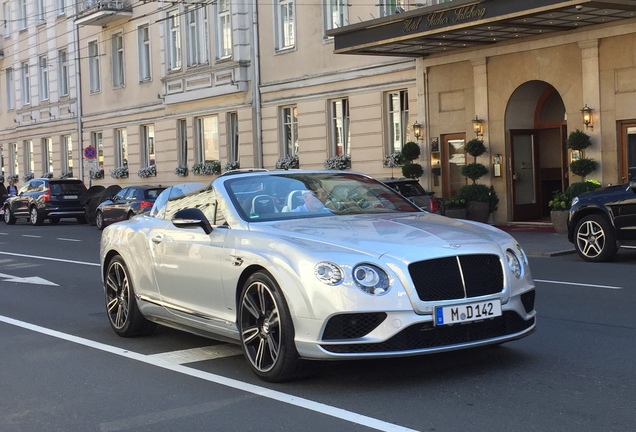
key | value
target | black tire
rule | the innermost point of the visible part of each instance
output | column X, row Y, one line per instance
column 54, row 220
column 595, row 239
column 35, row 216
column 121, row 305
column 267, row 331
column 9, row 218
column 99, row 221
column 129, row 215
column 81, row 220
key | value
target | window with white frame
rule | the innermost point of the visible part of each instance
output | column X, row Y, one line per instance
column 339, row 130
column 233, row 137
column 22, row 14
column 397, row 104
column 224, row 29
column 10, row 89
column 117, row 42
column 97, row 141
column 174, row 40
column 67, row 155
column 29, row 163
column 13, row 159
column 147, row 146
column 39, row 10
column 61, row 7
column 197, row 35
column 121, row 148
column 26, row 83
column 391, row 7
column 182, row 142
column 143, row 45
column 93, row 67
column 47, row 155
column 289, row 130
column 6, row 17
column 285, row 24
column 335, row 14
column 62, row 72
column 206, row 138
column 44, row 78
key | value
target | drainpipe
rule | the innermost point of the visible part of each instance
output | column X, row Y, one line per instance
column 78, row 108
column 256, row 89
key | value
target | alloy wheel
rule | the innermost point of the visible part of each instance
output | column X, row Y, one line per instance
column 117, row 295
column 590, row 238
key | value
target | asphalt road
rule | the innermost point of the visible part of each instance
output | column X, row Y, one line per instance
column 63, row 369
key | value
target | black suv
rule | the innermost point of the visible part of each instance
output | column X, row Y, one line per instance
column 44, row 198
column 602, row 220
column 413, row 190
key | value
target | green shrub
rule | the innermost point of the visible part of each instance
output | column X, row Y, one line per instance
column 580, row 187
column 474, row 192
column 455, row 203
column 475, row 147
column 410, row 151
column 583, row 167
column 412, row 170
column 474, row 171
column 578, row 140
column 560, row 201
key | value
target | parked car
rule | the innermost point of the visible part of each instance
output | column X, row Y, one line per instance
column 601, row 221
column 413, row 190
column 42, row 198
column 356, row 271
column 128, row 202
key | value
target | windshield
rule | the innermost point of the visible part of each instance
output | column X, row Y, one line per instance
column 296, row 195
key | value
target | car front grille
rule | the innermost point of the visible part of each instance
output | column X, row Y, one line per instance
column 422, row 336
column 457, row 277
column 352, row 326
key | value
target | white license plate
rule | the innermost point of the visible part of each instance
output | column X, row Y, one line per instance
column 70, row 196
column 467, row 312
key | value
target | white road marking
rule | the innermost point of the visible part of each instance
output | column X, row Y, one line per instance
column 50, row 259
column 318, row 407
column 30, row 236
column 67, row 239
column 32, row 280
column 199, row 354
column 578, row 284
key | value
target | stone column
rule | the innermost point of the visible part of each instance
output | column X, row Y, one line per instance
column 591, row 94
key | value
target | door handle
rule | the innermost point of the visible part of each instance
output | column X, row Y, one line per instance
column 157, row 239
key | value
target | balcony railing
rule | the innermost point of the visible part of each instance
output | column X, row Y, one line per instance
column 102, row 12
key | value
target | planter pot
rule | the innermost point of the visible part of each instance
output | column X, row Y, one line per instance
column 478, row 211
column 559, row 221
column 456, row 213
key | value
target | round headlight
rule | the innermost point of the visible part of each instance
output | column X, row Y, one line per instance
column 575, row 200
column 371, row 279
column 328, row 273
column 514, row 264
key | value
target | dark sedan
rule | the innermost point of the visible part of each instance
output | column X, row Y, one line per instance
column 129, row 201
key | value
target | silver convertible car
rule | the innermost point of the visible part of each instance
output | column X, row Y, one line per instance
column 313, row 265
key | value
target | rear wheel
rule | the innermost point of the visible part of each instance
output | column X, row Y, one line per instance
column 9, row 218
column 595, row 239
column 129, row 215
column 36, row 217
column 99, row 220
column 123, row 314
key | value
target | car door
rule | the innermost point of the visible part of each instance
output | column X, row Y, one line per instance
column 624, row 210
column 115, row 211
column 189, row 272
column 25, row 195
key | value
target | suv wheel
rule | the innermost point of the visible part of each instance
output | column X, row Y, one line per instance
column 594, row 239
column 99, row 220
column 9, row 219
column 36, row 217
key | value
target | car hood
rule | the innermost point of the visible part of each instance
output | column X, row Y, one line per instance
column 400, row 236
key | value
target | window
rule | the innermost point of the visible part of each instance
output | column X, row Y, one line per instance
column 98, row 143
column 6, row 16
column 335, row 14
column 117, row 42
column 207, row 138
column 289, row 122
column 10, row 89
column 26, row 83
column 340, row 134
column 224, row 29
column 197, row 35
column 233, row 137
column 13, row 158
column 61, row 7
column 44, row 78
column 67, row 155
column 121, row 148
column 93, row 66
column 147, row 145
column 285, row 21
column 182, row 142
column 22, row 14
column 39, row 10
column 29, row 163
column 62, row 71
column 174, row 41
column 389, row 7
column 143, row 41
column 398, row 119
column 47, row 155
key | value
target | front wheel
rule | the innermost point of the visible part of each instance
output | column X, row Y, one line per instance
column 266, row 330
column 9, row 218
column 595, row 239
column 35, row 216
column 99, row 220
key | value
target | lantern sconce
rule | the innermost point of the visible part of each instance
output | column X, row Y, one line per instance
column 478, row 126
column 586, row 111
column 417, row 130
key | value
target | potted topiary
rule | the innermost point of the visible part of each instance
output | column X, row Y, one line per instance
column 578, row 141
column 410, row 152
column 561, row 202
column 478, row 197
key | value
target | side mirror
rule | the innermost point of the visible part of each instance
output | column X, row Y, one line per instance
column 191, row 217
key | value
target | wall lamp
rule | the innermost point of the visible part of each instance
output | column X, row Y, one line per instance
column 586, row 111
column 417, row 130
column 478, row 126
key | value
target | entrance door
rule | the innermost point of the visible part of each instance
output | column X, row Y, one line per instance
column 628, row 153
column 454, row 158
column 525, row 179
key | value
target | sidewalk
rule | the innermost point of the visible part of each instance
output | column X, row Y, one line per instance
column 540, row 239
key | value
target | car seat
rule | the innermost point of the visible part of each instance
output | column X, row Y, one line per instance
column 263, row 205
column 294, row 199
